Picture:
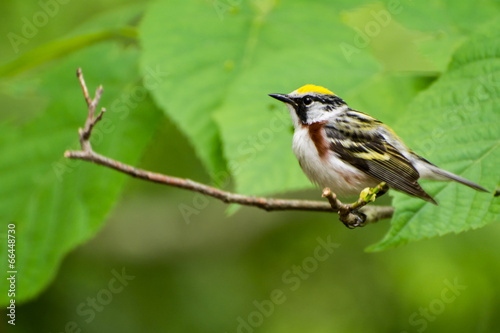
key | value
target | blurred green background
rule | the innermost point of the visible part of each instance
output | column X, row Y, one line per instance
column 185, row 86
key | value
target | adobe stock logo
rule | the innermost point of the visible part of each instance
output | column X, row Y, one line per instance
column 89, row 308
column 31, row 26
column 420, row 320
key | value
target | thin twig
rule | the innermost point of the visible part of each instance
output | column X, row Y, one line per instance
column 371, row 214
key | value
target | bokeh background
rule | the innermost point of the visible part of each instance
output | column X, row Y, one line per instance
column 137, row 261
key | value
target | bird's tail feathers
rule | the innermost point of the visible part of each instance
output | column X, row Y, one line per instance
column 446, row 175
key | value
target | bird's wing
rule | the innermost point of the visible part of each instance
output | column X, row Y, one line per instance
column 368, row 151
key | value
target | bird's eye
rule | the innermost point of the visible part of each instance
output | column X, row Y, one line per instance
column 308, row 101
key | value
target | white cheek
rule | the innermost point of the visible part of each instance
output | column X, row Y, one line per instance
column 317, row 114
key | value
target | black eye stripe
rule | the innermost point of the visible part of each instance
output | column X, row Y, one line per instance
column 330, row 103
column 326, row 99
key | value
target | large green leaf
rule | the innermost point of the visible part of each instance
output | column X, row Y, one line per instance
column 456, row 125
column 224, row 61
column 56, row 203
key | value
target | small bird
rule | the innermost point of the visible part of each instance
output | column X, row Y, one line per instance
column 348, row 150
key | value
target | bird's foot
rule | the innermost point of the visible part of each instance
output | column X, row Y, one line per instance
column 349, row 214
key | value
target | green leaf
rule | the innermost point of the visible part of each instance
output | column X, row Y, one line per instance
column 456, row 125
column 57, row 203
column 179, row 37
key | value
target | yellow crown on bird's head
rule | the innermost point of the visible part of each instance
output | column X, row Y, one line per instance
column 308, row 88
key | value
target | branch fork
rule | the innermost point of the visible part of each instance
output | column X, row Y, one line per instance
column 91, row 119
column 352, row 215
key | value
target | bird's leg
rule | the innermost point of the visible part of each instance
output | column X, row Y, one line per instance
column 347, row 215
column 350, row 215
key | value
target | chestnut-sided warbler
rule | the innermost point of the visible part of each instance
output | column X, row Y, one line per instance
column 347, row 150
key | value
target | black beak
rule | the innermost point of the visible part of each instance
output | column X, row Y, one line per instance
column 283, row 97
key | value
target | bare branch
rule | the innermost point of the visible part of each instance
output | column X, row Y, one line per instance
column 351, row 215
